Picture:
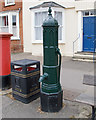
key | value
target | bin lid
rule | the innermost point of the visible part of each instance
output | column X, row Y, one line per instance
column 24, row 62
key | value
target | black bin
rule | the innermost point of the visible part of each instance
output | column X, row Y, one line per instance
column 24, row 77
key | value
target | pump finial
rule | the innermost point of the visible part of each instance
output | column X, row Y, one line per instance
column 50, row 10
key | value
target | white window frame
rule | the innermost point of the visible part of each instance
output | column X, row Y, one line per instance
column 10, row 23
column 80, row 31
column 46, row 10
column 8, row 4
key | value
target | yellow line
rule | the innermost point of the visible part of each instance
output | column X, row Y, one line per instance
column 25, row 76
column 26, row 95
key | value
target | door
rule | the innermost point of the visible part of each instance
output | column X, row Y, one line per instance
column 89, row 34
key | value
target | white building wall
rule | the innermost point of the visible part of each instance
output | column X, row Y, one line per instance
column 84, row 4
column 80, row 31
column 26, row 27
column 71, row 22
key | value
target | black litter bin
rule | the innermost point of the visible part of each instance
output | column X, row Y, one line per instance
column 24, row 77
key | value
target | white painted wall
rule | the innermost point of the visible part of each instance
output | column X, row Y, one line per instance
column 71, row 22
column 26, row 27
column 80, row 30
column 84, row 4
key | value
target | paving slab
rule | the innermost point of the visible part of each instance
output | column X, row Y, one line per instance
column 86, row 98
column 70, row 95
column 89, row 80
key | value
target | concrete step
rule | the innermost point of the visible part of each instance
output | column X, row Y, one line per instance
column 88, row 57
column 85, row 53
column 84, row 60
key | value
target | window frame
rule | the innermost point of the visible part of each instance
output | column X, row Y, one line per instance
column 8, row 4
column 2, row 15
column 89, row 13
column 46, row 10
column 9, row 14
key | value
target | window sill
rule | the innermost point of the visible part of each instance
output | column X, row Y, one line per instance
column 15, row 38
column 37, row 41
column 61, row 42
column 41, row 41
column 6, row 5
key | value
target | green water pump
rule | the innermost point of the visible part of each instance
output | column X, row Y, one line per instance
column 51, row 91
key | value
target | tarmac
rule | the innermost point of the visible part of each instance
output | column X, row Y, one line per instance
column 72, row 73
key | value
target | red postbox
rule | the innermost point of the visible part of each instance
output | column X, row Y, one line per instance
column 5, row 60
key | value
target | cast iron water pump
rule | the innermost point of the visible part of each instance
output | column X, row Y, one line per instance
column 51, row 92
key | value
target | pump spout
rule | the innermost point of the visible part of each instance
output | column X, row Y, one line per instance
column 43, row 77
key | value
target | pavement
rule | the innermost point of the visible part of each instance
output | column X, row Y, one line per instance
column 72, row 73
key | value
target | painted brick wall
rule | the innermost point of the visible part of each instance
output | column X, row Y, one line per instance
column 16, row 45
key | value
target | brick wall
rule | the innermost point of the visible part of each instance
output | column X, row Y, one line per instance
column 16, row 45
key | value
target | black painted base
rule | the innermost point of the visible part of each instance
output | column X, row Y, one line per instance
column 51, row 102
column 26, row 100
column 5, row 82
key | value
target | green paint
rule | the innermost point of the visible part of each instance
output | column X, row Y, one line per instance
column 51, row 70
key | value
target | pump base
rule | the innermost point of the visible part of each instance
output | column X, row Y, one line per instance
column 51, row 102
column 5, row 82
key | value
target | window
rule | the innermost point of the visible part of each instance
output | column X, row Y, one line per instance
column 9, row 2
column 86, row 13
column 4, row 23
column 9, row 22
column 89, row 13
column 14, row 25
column 58, row 17
column 39, row 18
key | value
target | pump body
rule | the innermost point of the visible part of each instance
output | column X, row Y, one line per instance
column 51, row 88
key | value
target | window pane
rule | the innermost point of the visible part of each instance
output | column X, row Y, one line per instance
column 58, row 17
column 4, row 29
column 91, row 12
column 95, row 12
column 39, row 18
column 38, row 33
column 60, row 33
column 4, row 24
column 14, row 27
column 86, row 13
column 4, row 20
column 13, row 20
column 14, row 31
column 10, row 1
column 44, row 15
column 0, row 21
